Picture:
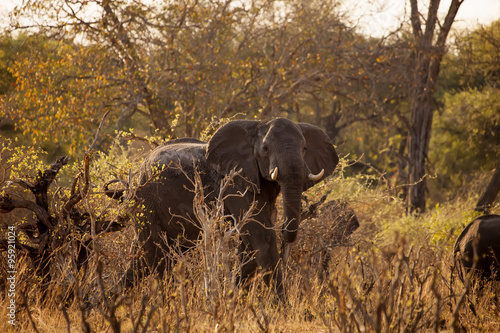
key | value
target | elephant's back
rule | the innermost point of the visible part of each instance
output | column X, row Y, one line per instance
column 485, row 229
column 166, row 188
column 469, row 232
column 183, row 150
column 176, row 157
column 489, row 231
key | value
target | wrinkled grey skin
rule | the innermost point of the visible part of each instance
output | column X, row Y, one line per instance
column 344, row 219
column 345, row 223
column 481, row 238
column 326, row 229
column 256, row 148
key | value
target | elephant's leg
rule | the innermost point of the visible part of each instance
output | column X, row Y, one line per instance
column 259, row 248
column 325, row 263
column 135, row 273
column 264, row 259
column 148, row 258
column 248, row 264
column 259, row 241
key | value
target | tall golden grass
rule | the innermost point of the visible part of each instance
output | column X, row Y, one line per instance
column 394, row 274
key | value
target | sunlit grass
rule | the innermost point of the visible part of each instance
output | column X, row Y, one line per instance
column 394, row 273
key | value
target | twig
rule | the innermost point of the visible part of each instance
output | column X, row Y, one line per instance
column 77, row 197
column 141, row 313
column 89, row 150
column 66, row 317
column 110, row 305
column 25, row 301
column 81, row 307
column 148, row 319
column 8, row 204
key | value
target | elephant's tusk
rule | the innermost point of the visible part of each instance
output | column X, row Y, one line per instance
column 274, row 173
column 316, row 177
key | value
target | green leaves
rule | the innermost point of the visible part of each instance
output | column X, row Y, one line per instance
column 466, row 134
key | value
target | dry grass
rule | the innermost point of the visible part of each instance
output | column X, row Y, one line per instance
column 393, row 275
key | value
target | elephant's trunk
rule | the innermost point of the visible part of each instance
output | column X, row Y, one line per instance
column 291, row 210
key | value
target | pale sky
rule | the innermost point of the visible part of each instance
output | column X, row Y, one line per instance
column 376, row 17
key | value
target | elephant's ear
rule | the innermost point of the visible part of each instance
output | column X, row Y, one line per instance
column 320, row 153
column 232, row 147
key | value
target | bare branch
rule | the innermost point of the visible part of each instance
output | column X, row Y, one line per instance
column 89, row 150
column 448, row 21
column 8, row 204
column 415, row 20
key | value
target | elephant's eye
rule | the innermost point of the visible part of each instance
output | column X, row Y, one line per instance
column 265, row 149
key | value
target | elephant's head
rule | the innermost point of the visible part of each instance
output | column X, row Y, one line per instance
column 296, row 156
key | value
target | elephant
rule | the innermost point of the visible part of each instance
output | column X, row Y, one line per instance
column 270, row 157
column 344, row 218
column 327, row 226
column 478, row 247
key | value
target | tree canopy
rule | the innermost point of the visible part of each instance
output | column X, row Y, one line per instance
column 171, row 68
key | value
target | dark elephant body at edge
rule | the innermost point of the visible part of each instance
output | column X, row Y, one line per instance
column 272, row 157
column 480, row 239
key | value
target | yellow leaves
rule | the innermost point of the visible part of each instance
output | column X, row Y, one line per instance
column 23, row 160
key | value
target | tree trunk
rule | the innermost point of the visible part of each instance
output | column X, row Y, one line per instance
column 491, row 192
column 428, row 60
column 422, row 112
column 402, row 177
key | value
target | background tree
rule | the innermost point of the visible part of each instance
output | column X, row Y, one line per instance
column 182, row 62
column 466, row 130
column 489, row 195
column 429, row 48
column 173, row 67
